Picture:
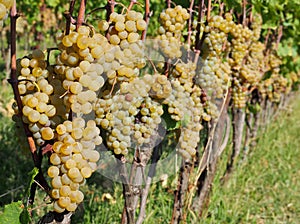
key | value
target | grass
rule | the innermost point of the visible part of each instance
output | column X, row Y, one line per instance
column 266, row 188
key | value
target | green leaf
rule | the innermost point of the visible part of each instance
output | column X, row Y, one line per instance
column 32, row 174
column 25, row 217
column 53, row 3
column 171, row 124
column 11, row 213
column 254, row 109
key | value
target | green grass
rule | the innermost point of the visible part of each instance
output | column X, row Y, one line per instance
column 266, row 188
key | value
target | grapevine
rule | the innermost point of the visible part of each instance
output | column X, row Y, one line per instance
column 104, row 92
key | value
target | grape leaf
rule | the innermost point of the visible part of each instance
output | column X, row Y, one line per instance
column 11, row 213
column 32, row 175
column 25, row 217
column 171, row 124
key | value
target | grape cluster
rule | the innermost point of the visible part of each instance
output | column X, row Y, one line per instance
column 173, row 22
column 276, row 84
column 81, row 76
column 126, row 56
column 5, row 6
column 35, row 91
column 239, row 94
column 191, row 126
column 73, row 160
column 216, row 31
column 185, row 73
column 215, row 73
column 131, row 116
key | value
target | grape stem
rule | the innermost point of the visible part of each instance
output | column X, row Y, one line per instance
column 190, row 26
column 198, row 28
column 147, row 18
column 110, row 8
column 279, row 35
column 244, row 8
column 68, row 16
column 132, row 2
column 168, row 2
column 14, row 83
column 208, row 10
column 80, row 18
column 127, row 216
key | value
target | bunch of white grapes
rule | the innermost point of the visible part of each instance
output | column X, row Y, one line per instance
column 35, row 91
column 124, row 36
column 173, row 22
column 74, row 159
column 5, row 6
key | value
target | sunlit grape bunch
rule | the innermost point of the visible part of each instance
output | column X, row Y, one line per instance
column 131, row 116
column 124, row 36
column 173, row 22
column 82, row 77
column 216, row 33
column 239, row 94
column 161, row 87
column 35, row 91
column 256, row 26
column 185, row 73
column 5, row 6
column 191, row 126
column 74, row 159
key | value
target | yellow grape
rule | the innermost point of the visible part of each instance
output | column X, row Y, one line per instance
column 77, row 147
column 68, row 125
column 103, row 25
column 65, row 179
column 26, row 110
column 83, row 41
column 55, row 193
column 53, row 171
column 34, row 116
column 56, row 182
column 43, row 119
column 70, row 163
column 47, row 133
column 57, row 208
column 65, row 190
column 66, row 41
column 130, row 26
column 119, row 26
column 41, row 107
column 55, row 159
column 56, row 146
column 61, row 129
column 75, row 88
column 71, row 207
column 141, row 24
column 74, row 186
column 51, row 111
column 86, row 172
column 25, row 62
column 63, row 202
column 74, row 173
column 66, row 149
column 3, row 11
column 114, row 39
